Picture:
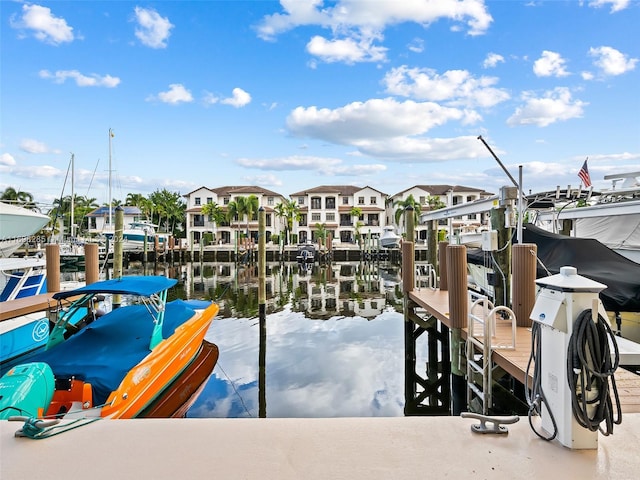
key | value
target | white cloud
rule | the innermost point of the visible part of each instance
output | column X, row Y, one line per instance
column 348, row 50
column 322, row 165
column 425, row 150
column 153, row 30
column 39, row 171
column 492, row 60
column 45, row 26
column 264, row 180
column 7, row 159
column 550, row 64
column 91, row 80
column 176, row 94
column 556, row 105
column 33, row 146
column 616, row 5
column 612, row 62
column 416, row 45
column 239, row 99
column 375, row 118
column 455, row 87
column 355, row 23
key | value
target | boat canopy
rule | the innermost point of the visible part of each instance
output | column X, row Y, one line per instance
column 145, row 286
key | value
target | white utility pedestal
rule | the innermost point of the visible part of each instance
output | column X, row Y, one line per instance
column 561, row 300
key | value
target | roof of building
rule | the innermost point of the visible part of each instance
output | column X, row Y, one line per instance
column 104, row 210
column 345, row 190
column 444, row 189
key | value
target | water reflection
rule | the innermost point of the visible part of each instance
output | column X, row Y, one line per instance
column 333, row 339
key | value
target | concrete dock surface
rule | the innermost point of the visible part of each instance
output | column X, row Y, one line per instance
column 334, row 448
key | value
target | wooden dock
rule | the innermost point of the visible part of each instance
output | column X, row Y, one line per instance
column 514, row 362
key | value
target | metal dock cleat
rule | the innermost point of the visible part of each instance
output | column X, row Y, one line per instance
column 497, row 423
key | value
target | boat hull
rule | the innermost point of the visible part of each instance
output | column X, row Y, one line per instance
column 144, row 383
column 184, row 391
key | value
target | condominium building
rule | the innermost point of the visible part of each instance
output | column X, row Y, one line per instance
column 227, row 231
column 427, row 196
column 343, row 211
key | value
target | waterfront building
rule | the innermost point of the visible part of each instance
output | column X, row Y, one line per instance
column 225, row 232
column 449, row 195
column 99, row 219
column 348, row 212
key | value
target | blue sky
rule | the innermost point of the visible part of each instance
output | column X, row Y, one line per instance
column 294, row 94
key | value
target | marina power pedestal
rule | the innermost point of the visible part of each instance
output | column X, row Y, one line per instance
column 561, row 299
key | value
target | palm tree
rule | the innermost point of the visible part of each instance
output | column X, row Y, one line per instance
column 280, row 211
column 214, row 213
column 252, row 204
column 23, row 199
column 403, row 205
column 321, row 232
column 293, row 214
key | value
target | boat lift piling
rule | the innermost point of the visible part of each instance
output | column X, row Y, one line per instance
column 118, row 234
column 92, row 263
column 52, row 252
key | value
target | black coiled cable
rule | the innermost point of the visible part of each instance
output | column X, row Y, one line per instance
column 590, row 369
column 535, row 397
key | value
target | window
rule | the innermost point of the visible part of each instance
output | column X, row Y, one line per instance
column 423, row 200
column 269, row 200
column 373, row 200
column 331, row 217
column 209, row 199
column 225, row 200
column 197, row 200
column 360, row 200
column 316, row 203
column 345, row 200
column 315, row 217
column 300, row 200
column 330, row 203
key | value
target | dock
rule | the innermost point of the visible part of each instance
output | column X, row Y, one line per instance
column 330, row 448
column 514, row 362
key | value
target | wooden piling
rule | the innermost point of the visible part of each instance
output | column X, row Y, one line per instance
column 442, row 265
column 524, row 282
column 91, row 263
column 408, row 266
column 457, row 283
column 262, row 259
column 52, row 252
column 118, row 239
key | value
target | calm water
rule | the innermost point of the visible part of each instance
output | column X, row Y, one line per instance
column 334, row 343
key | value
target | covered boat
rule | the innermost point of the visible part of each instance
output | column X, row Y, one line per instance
column 389, row 238
column 122, row 362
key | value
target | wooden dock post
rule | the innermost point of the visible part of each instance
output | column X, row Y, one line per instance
column 502, row 288
column 442, row 265
column 524, row 281
column 456, row 264
column 52, row 252
column 262, row 259
column 91, row 263
column 117, row 250
column 432, row 242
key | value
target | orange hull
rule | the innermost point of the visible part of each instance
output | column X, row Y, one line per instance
column 160, row 368
column 182, row 394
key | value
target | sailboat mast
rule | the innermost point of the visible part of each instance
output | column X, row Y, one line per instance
column 73, row 223
column 110, row 201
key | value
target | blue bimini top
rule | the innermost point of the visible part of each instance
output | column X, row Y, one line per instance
column 135, row 285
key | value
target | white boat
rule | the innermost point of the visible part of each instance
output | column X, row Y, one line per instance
column 133, row 237
column 17, row 224
column 389, row 238
column 611, row 216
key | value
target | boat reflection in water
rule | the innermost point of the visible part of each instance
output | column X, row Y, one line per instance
column 331, row 343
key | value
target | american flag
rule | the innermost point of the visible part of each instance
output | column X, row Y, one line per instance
column 584, row 174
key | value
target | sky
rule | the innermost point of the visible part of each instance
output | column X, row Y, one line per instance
column 295, row 94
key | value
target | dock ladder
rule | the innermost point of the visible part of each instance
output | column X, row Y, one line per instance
column 480, row 347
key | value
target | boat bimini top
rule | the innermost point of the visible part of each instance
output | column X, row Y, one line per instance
column 151, row 290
